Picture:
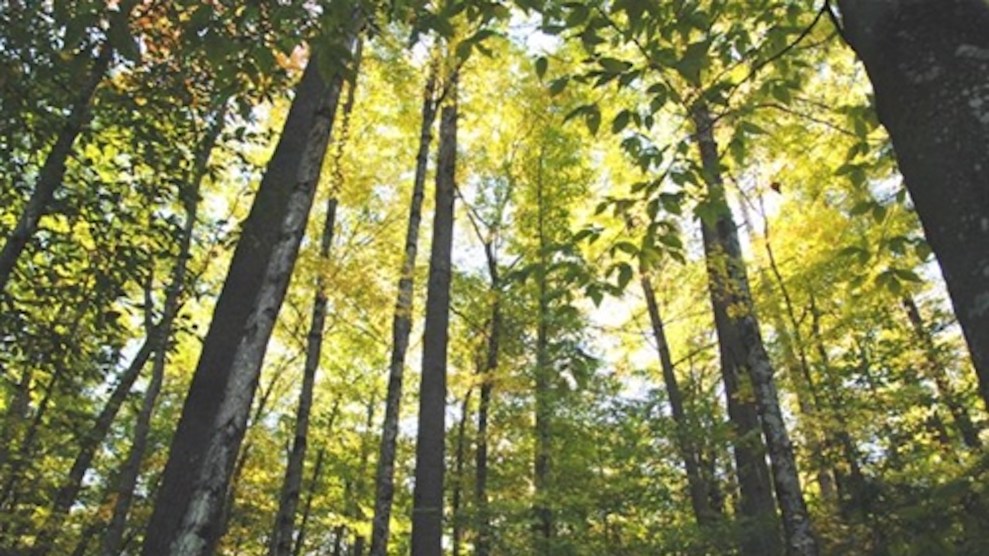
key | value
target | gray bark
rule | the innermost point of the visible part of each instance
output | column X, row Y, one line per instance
column 729, row 287
column 427, row 508
column 543, row 524
column 482, row 545
column 283, row 530
column 401, row 329
column 189, row 508
column 928, row 61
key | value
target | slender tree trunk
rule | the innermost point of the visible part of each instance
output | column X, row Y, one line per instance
column 300, row 539
column 91, row 442
column 482, row 545
column 189, row 508
column 543, row 524
column 946, row 393
column 127, row 481
column 53, row 170
column 696, row 484
column 283, row 530
column 456, row 509
column 928, row 61
column 729, row 288
column 401, row 328
column 427, row 509
column 354, row 506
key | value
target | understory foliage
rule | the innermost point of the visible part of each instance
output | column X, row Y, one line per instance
column 577, row 175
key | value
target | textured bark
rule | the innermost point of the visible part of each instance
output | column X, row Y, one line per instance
column 928, row 61
column 934, row 369
column 281, row 543
column 189, row 508
column 401, row 328
column 427, row 509
column 729, row 287
column 129, row 473
column 696, row 483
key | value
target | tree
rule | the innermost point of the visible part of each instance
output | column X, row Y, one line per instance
column 927, row 64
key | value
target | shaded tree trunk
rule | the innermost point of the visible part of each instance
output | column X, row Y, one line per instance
column 401, row 329
column 696, row 484
column 482, row 545
column 188, row 512
column 427, row 509
column 543, row 523
column 300, row 539
column 741, row 340
column 282, row 533
column 456, row 504
column 928, row 61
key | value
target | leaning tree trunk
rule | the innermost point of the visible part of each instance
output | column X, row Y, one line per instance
column 401, row 329
column 696, row 484
column 730, row 290
column 127, row 481
column 53, row 170
column 189, row 507
column 427, row 505
column 928, row 61
column 280, row 543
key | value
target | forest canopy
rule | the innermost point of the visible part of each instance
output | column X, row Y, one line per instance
column 595, row 277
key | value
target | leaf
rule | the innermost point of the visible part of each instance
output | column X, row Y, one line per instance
column 541, row 65
column 614, row 65
column 620, row 122
column 693, row 61
column 557, row 85
column 592, row 117
column 624, row 275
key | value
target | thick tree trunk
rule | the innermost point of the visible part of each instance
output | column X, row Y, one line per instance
column 427, row 509
column 401, row 328
column 928, row 61
column 280, row 543
column 189, row 508
column 696, row 484
column 730, row 288
column 946, row 392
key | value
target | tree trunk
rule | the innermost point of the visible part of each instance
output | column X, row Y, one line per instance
column 946, row 392
column 456, row 509
column 281, row 539
column 928, row 61
column 543, row 524
column 401, row 328
column 188, row 511
column 53, row 170
column 427, row 510
column 300, row 539
column 730, row 289
column 482, row 545
column 127, row 481
column 696, row 484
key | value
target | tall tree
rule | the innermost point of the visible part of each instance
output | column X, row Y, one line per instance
column 189, row 506
column 927, row 61
column 427, row 509
column 401, row 329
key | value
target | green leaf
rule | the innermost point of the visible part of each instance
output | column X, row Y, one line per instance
column 614, row 65
column 592, row 117
column 693, row 61
column 620, row 122
column 541, row 65
column 557, row 85
column 624, row 275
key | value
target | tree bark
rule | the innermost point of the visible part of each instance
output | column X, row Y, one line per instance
column 928, row 61
column 730, row 290
column 189, row 508
column 543, row 523
column 456, row 509
column 482, row 545
column 401, row 329
column 281, row 539
column 696, row 484
column 427, row 510
column 300, row 539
